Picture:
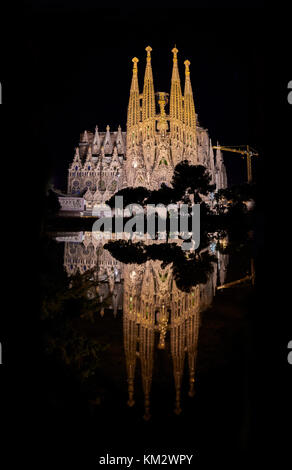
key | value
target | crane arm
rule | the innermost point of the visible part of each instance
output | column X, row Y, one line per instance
column 241, row 151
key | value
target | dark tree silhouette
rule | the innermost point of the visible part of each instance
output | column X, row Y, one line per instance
column 191, row 179
column 189, row 269
column 130, row 196
column 164, row 195
column 235, row 197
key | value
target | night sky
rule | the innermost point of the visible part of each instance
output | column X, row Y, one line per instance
column 74, row 71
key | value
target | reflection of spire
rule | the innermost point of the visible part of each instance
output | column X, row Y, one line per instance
column 152, row 305
column 146, row 341
column 177, row 339
column 162, row 326
column 192, row 333
column 130, row 341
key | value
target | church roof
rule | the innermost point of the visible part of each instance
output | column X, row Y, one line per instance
column 114, row 137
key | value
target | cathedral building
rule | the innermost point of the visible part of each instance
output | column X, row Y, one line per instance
column 162, row 130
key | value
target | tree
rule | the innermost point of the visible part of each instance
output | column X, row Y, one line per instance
column 191, row 179
column 63, row 301
column 187, row 179
column 235, row 198
column 164, row 195
column 130, row 196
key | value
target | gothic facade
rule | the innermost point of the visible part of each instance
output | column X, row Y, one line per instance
column 162, row 130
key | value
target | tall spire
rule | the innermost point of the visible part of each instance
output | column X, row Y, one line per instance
column 76, row 159
column 96, row 142
column 119, row 141
column 189, row 106
column 175, row 105
column 107, row 143
column 148, row 102
column 133, row 117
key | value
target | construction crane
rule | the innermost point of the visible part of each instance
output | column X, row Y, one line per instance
column 247, row 151
column 249, row 277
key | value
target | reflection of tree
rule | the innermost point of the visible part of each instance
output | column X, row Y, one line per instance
column 189, row 269
column 64, row 302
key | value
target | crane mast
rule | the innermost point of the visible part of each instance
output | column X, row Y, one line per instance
column 248, row 152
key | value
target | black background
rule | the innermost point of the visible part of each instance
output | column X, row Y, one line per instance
column 67, row 68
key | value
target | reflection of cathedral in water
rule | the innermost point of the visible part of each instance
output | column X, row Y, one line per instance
column 155, row 311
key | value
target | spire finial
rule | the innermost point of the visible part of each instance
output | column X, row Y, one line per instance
column 174, row 51
column 135, row 60
column 148, row 49
column 187, row 64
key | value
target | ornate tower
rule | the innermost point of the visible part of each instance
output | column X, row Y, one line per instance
column 156, row 142
column 148, row 100
column 175, row 104
column 189, row 117
column 133, row 117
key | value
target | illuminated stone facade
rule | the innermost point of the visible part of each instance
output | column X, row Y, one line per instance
column 162, row 130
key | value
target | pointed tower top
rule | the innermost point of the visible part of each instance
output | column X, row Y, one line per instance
column 119, row 134
column 76, row 155
column 96, row 136
column 175, row 102
column 148, row 100
column 108, row 146
column 119, row 141
column 135, row 61
column 85, row 137
column 187, row 64
column 96, row 142
column 133, row 106
column 174, row 51
column 189, row 106
column 148, row 49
